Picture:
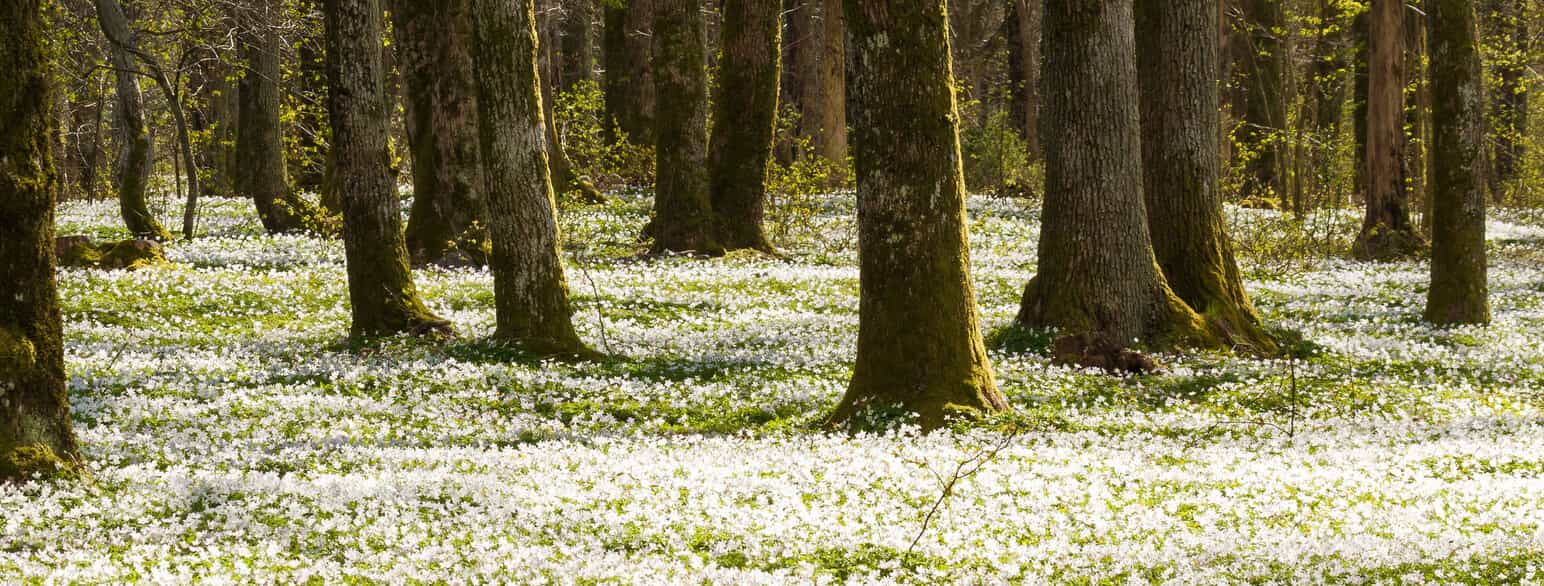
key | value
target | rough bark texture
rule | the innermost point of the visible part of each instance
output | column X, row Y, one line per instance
column 440, row 104
column 629, row 80
column 744, row 120
column 1459, row 293
column 1264, row 128
column 260, row 173
column 1098, row 274
column 137, row 151
column 35, row 430
column 1176, row 58
column 1507, row 32
column 1024, row 26
column 683, row 211
column 530, row 291
column 381, row 289
column 1386, row 230
column 818, row 65
column 919, row 338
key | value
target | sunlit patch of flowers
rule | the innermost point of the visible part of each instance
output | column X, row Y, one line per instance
column 233, row 436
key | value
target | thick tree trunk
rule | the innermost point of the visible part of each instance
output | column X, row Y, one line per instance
column 1459, row 293
column 1024, row 70
column 1176, row 55
column 578, row 44
column 380, row 285
column 137, row 153
column 819, row 66
column 260, row 174
column 743, row 123
column 1098, row 274
column 1386, row 230
column 919, row 338
column 629, row 80
column 683, row 212
column 1507, row 32
column 36, row 436
column 434, row 54
column 1264, row 132
column 530, row 292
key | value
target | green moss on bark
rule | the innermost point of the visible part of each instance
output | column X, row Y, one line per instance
column 1459, row 290
column 683, row 210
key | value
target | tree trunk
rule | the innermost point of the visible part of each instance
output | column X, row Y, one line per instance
column 260, row 174
column 683, row 212
column 1459, row 292
column 1326, row 86
column 1098, row 274
column 1264, row 132
column 1176, row 55
column 629, row 80
column 434, row 54
column 222, row 111
column 1386, row 230
column 530, row 292
column 566, row 180
column 137, row 154
column 1417, row 118
column 743, row 124
column 1361, row 79
column 381, row 289
column 919, row 338
column 578, row 46
column 36, row 436
column 819, row 66
column 1507, row 32
column 1024, row 71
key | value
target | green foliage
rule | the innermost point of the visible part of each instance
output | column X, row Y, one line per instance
column 997, row 158
column 796, row 189
column 579, row 116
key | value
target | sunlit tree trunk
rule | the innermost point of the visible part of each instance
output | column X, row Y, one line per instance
column 1459, row 293
column 743, row 122
column 683, row 212
column 36, row 436
column 137, row 154
column 260, row 174
column 818, row 64
column 530, row 292
column 381, row 290
column 1386, row 230
column 919, row 338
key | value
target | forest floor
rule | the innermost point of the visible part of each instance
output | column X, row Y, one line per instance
column 233, row 436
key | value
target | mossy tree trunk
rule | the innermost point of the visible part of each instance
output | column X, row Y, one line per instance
column 629, row 79
column 1459, row 293
column 1176, row 56
column 1506, row 28
column 530, row 291
column 137, row 151
column 746, row 111
column 35, row 428
column 683, row 210
column 260, row 173
column 1264, row 129
column 1098, row 273
column 1386, row 233
column 440, row 104
column 381, row 290
column 919, row 338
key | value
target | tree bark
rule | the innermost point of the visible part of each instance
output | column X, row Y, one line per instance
column 683, row 212
column 578, row 47
column 819, row 66
column 629, row 80
column 1024, row 70
column 434, row 54
column 530, row 291
column 381, row 289
column 1098, row 274
column 1387, row 233
column 1176, row 58
column 919, row 338
column 260, row 174
column 1265, row 100
column 137, row 154
column 1459, row 292
column 1507, row 32
column 744, row 121
column 36, row 435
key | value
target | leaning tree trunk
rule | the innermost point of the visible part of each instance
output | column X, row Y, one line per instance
column 434, row 54
column 36, row 436
column 380, row 285
column 919, row 338
column 629, row 80
column 137, row 153
column 1176, row 55
column 259, row 170
column 530, row 293
column 1264, row 129
column 683, row 211
column 1387, row 233
column 1507, row 33
column 1459, row 292
column 744, row 121
column 1098, row 274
